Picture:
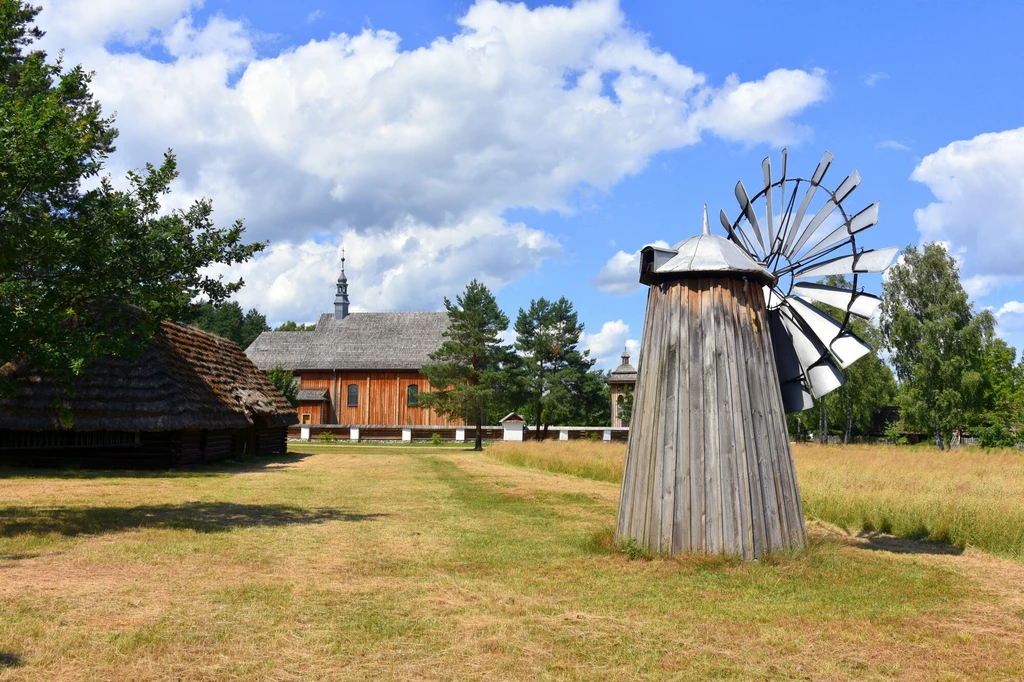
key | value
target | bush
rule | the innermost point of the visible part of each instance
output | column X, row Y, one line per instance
column 995, row 434
column 435, row 439
column 326, row 437
column 894, row 433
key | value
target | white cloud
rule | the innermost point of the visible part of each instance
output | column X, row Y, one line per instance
column 315, row 15
column 979, row 184
column 981, row 285
column 1012, row 308
column 620, row 275
column 762, row 111
column 892, row 144
column 352, row 135
column 872, row 79
column 412, row 267
column 74, row 22
column 606, row 345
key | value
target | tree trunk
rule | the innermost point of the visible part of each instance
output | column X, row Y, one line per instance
column 849, row 423
column 479, row 444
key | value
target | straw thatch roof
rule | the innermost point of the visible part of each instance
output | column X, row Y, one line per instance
column 186, row 379
column 385, row 341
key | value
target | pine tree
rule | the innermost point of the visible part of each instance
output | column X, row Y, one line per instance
column 467, row 370
column 547, row 336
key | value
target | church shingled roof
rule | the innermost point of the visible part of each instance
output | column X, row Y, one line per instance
column 382, row 341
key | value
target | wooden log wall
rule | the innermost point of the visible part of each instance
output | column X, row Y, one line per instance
column 383, row 398
column 708, row 465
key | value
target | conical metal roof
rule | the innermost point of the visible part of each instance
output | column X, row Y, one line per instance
column 702, row 254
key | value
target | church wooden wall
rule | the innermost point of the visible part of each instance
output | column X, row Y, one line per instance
column 382, row 398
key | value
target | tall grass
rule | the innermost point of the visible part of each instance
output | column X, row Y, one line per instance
column 586, row 459
column 967, row 497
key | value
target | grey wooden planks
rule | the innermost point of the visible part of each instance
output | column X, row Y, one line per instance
column 708, row 466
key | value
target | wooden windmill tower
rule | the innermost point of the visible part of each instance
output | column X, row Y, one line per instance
column 732, row 342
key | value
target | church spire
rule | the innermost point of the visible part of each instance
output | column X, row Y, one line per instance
column 341, row 297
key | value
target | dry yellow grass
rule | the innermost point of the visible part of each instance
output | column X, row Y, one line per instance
column 967, row 497
column 587, row 459
column 408, row 563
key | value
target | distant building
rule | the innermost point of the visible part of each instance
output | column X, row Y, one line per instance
column 192, row 397
column 358, row 369
column 622, row 382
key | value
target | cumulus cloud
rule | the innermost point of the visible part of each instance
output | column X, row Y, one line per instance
column 979, row 187
column 606, row 345
column 353, row 136
column 762, row 111
column 72, row 23
column 620, row 274
column 411, row 267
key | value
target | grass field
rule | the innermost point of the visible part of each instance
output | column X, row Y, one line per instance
column 348, row 562
column 967, row 497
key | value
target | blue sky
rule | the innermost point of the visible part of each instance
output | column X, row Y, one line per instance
column 539, row 149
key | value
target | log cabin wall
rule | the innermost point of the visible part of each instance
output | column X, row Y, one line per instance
column 382, row 398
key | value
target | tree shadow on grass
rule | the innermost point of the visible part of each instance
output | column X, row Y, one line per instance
column 202, row 517
column 262, row 464
column 9, row 659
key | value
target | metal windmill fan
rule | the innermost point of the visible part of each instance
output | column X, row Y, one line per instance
column 810, row 347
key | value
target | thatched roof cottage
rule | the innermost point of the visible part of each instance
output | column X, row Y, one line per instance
column 191, row 397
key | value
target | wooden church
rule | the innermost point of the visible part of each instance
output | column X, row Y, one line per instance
column 358, row 369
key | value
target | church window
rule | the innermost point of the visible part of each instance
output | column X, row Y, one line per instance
column 353, row 395
column 414, row 395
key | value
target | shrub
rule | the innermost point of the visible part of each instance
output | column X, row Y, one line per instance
column 327, row 437
column 435, row 439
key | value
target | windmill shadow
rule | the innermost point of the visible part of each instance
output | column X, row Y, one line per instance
column 201, row 517
column 878, row 542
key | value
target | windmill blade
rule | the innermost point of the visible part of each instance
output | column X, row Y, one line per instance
column 820, row 376
column 737, row 235
column 862, row 221
column 766, row 169
column 849, row 184
column 873, row 260
column 843, row 344
column 819, row 173
column 782, row 205
column 824, row 378
column 786, row 361
column 748, row 211
column 796, row 398
column 857, row 303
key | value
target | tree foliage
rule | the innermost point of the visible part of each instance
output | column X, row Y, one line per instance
column 936, row 342
column 86, row 269
column 468, row 367
column 547, row 337
column 291, row 326
column 228, row 321
column 869, row 384
column 284, row 381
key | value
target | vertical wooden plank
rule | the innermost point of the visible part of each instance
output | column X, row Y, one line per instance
column 712, row 466
column 696, row 454
column 737, row 506
column 670, row 420
column 684, row 459
column 746, row 359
